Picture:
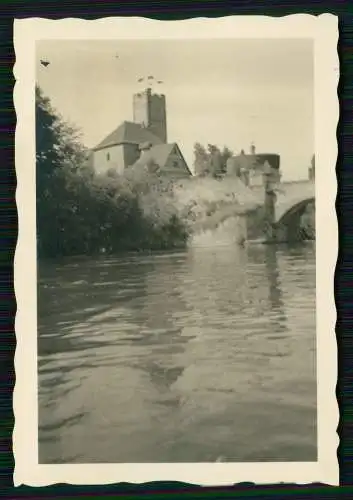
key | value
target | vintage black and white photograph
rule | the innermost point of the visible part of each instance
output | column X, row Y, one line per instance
column 176, row 250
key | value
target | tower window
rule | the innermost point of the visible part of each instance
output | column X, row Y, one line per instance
column 108, row 156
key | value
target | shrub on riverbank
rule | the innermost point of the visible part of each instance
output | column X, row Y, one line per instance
column 80, row 213
column 205, row 203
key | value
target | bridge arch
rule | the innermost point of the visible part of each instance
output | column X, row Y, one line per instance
column 289, row 221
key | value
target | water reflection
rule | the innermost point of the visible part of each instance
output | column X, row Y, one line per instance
column 179, row 357
column 161, row 317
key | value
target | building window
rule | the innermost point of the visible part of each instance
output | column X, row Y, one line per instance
column 108, row 156
column 175, row 163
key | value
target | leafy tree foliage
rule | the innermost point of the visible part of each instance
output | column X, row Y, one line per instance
column 80, row 213
column 225, row 154
column 211, row 162
column 200, row 159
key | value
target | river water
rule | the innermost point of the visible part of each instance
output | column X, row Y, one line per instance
column 200, row 355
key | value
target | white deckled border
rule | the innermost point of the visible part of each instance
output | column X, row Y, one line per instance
column 324, row 30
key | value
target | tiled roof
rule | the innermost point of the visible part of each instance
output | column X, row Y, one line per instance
column 159, row 154
column 128, row 133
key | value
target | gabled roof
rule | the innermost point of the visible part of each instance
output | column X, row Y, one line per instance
column 159, row 155
column 128, row 133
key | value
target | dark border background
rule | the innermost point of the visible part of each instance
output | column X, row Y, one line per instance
column 173, row 10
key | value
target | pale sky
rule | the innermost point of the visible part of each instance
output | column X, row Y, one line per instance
column 225, row 92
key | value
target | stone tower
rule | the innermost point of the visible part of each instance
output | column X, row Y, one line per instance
column 149, row 110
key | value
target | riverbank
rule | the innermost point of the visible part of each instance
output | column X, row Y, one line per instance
column 104, row 215
column 86, row 214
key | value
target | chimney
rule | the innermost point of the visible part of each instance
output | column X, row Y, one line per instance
column 252, row 149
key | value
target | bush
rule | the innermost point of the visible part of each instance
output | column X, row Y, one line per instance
column 81, row 213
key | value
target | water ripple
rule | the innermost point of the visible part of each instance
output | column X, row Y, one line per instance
column 202, row 355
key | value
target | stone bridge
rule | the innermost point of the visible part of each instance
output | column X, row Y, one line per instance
column 292, row 200
column 291, row 196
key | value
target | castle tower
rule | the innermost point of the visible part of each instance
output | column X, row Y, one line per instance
column 149, row 110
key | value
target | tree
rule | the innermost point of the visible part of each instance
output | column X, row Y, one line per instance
column 201, row 160
column 79, row 212
column 214, row 161
column 225, row 154
column 59, row 155
column 211, row 161
column 76, row 210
